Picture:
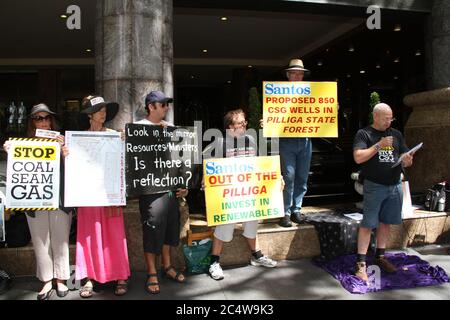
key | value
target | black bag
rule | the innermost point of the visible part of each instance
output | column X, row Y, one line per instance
column 435, row 199
column 17, row 233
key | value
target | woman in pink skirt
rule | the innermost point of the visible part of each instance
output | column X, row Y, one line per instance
column 102, row 253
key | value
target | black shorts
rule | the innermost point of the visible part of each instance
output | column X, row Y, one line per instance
column 160, row 217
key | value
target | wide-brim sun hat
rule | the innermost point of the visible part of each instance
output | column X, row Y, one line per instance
column 296, row 64
column 93, row 104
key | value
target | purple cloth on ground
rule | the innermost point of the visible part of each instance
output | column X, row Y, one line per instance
column 411, row 272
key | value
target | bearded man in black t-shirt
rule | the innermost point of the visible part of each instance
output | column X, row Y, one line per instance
column 377, row 148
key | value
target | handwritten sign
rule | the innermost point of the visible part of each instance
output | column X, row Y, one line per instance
column 160, row 159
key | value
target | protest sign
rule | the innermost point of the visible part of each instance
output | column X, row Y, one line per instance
column 32, row 181
column 300, row 109
column 160, row 159
column 242, row 189
column 94, row 169
column 2, row 220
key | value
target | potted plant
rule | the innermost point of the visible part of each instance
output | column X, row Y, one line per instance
column 374, row 100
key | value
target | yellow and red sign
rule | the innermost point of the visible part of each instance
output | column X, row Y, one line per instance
column 300, row 109
column 242, row 189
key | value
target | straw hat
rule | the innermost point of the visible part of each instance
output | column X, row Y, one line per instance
column 296, row 64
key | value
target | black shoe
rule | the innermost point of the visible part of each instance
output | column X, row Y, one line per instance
column 45, row 296
column 297, row 218
column 285, row 222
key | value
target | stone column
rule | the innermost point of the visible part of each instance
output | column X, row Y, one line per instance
column 430, row 120
column 429, row 123
column 134, row 54
column 438, row 45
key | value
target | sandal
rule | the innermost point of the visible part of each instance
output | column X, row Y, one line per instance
column 179, row 276
column 149, row 283
column 121, row 288
column 86, row 291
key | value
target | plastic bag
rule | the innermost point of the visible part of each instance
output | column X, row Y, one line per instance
column 198, row 256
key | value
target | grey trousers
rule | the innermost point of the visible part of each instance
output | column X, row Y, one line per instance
column 50, row 236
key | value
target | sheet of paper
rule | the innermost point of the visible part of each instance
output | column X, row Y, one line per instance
column 94, row 169
column 355, row 216
column 47, row 134
column 409, row 152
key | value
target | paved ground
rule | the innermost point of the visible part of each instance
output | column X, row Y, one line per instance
column 291, row 280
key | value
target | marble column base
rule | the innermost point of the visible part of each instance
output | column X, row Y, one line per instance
column 429, row 123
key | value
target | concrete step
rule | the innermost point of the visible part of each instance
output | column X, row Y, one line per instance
column 299, row 241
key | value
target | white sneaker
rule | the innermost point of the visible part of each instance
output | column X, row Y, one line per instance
column 215, row 271
column 263, row 261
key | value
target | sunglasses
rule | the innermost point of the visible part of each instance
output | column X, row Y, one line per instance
column 39, row 118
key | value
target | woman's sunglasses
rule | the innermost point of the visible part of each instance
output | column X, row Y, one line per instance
column 39, row 118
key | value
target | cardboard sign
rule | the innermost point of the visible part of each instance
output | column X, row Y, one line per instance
column 242, row 189
column 160, row 159
column 300, row 109
column 32, row 181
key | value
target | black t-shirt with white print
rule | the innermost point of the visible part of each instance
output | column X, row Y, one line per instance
column 232, row 147
column 379, row 169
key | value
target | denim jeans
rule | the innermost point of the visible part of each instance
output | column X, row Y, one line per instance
column 295, row 156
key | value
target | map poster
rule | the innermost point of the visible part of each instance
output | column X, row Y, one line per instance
column 94, row 169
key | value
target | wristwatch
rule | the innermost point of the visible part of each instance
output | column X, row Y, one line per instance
column 377, row 147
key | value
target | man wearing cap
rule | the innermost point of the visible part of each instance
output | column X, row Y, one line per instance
column 160, row 214
column 295, row 156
